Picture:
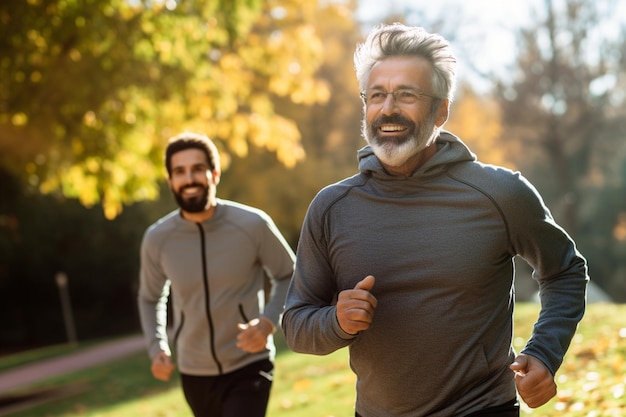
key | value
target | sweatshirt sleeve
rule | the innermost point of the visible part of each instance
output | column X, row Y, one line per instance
column 152, row 298
column 278, row 262
column 558, row 267
column 309, row 321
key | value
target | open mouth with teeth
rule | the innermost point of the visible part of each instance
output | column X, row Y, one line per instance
column 394, row 124
column 192, row 190
column 392, row 128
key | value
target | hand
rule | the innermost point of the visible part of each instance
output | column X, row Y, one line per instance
column 162, row 366
column 355, row 307
column 253, row 335
column 534, row 381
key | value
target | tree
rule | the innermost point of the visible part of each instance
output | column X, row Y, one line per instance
column 565, row 106
column 90, row 89
column 477, row 120
column 330, row 132
column 41, row 235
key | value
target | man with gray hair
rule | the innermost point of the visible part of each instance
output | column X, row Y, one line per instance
column 410, row 261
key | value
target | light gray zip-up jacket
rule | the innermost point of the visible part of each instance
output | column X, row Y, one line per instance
column 440, row 244
column 216, row 272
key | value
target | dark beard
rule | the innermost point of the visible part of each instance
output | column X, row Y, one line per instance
column 195, row 204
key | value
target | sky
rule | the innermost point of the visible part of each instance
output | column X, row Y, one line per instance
column 486, row 9
column 484, row 29
column 481, row 24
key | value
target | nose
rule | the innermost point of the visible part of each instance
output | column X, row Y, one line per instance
column 187, row 177
column 389, row 105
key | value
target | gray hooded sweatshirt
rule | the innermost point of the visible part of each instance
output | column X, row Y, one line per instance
column 440, row 244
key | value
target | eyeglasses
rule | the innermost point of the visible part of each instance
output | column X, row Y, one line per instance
column 403, row 96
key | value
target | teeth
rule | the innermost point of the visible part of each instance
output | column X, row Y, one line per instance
column 392, row 128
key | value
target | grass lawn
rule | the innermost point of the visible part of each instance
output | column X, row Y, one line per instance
column 592, row 380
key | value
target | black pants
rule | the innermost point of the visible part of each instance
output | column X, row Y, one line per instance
column 510, row 409
column 242, row 393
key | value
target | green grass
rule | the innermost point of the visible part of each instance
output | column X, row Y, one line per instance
column 592, row 380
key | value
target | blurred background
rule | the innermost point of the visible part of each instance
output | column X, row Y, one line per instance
column 90, row 91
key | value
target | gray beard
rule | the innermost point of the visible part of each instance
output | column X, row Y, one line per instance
column 396, row 151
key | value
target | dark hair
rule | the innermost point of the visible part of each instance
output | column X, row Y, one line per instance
column 190, row 140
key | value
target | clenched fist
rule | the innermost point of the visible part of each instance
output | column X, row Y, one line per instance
column 253, row 336
column 534, row 381
column 355, row 307
column 162, row 366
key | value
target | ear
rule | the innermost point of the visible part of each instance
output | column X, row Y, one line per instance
column 215, row 175
column 443, row 111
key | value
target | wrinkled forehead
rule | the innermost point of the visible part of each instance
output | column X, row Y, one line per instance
column 401, row 72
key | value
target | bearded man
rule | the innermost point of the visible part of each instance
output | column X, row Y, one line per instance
column 409, row 263
column 214, row 256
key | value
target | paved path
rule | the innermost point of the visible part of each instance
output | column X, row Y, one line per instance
column 30, row 373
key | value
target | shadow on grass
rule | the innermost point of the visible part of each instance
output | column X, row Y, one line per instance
column 100, row 386
column 27, row 399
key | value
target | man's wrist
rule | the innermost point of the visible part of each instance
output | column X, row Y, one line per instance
column 267, row 324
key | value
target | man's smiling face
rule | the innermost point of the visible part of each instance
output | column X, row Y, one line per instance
column 398, row 131
column 191, row 180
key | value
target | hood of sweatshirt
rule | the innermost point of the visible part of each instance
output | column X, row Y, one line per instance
column 450, row 150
